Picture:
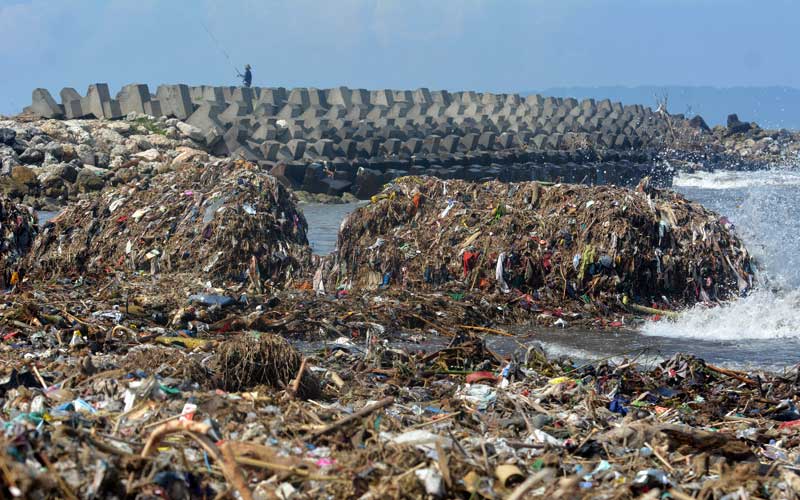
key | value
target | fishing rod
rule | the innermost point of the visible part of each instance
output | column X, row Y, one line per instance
column 219, row 46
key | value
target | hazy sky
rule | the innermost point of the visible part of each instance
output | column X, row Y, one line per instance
column 495, row 45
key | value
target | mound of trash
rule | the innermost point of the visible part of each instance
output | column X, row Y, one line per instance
column 604, row 248
column 18, row 228
column 225, row 220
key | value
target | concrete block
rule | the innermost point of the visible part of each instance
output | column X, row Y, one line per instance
column 505, row 141
column 487, row 140
column 297, row 148
column 413, row 146
column 490, row 99
column 337, row 187
column 392, row 146
column 469, row 142
column 382, row 98
column 340, row 96
column 244, row 94
column 357, row 112
column 368, row 183
column 422, row 96
column 431, row 144
column 398, row 110
column 316, row 97
column 211, row 94
column 312, row 113
column 360, row 97
column 336, row 112
column 297, row 131
column 442, row 97
column 206, row 117
column 99, row 104
column 405, row 96
column 265, row 110
column 377, row 112
column 299, row 97
column 312, row 181
column 323, row 148
column 153, row 108
column 265, row 132
column 535, row 100
column 175, row 101
column 132, row 98
column 235, row 110
column 290, row 111
column 43, row 105
column 450, row 144
column 274, row 97
column 245, row 152
column 349, row 148
column 369, row 148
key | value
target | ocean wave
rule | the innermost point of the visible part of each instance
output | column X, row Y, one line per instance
column 763, row 315
column 737, row 180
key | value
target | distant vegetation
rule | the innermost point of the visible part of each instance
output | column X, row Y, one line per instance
column 770, row 107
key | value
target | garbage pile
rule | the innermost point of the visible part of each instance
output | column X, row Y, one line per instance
column 18, row 228
column 226, row 220
column 541, row 247
column 124, row 417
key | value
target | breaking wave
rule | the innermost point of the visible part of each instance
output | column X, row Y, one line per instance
column 765, row 206
column 763, row 315
column 737, row 180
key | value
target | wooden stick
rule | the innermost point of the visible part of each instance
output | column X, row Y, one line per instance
column 487, row 330
column 294, row 387
column 732, row 374
column 171, row 428
column 433, row 325
column 650, row 310
column 355, row 416
column 39, row 377
column 197, row 431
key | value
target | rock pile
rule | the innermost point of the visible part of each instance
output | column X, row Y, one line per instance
column 538, row 246
column 48, row 163
column 225, row 220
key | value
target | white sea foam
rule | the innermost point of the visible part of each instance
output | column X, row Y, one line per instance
column 765, row 207
column 763, row 315
column 738, row 180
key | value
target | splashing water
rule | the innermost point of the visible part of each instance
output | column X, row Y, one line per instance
column 765, row 206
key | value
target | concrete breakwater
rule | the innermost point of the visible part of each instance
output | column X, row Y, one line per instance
column 361, row 139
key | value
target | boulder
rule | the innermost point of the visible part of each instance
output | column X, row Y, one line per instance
column 8, row 136
column 736, row 126
column 87, row 181
column 24, row 175
column 190, row 131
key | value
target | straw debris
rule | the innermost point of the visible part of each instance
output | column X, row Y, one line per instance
column 249, row 361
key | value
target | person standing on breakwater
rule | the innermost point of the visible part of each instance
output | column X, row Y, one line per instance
column 247, row 77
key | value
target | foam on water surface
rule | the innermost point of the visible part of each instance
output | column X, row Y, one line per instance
column 765, row 206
